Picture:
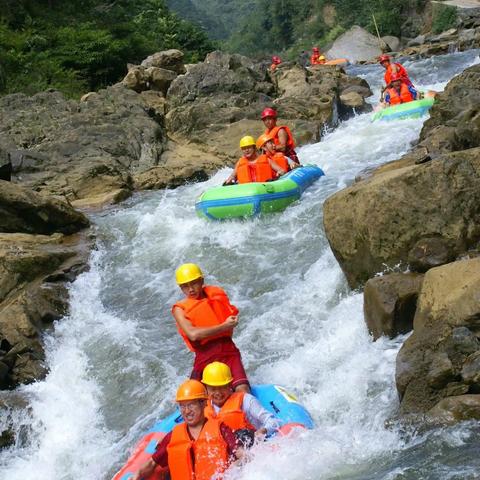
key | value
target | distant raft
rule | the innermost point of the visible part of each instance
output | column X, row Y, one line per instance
column 278, row 401
column 251, row 199
column 415, row 109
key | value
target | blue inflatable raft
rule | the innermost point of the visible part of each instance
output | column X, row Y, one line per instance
column 282, row 404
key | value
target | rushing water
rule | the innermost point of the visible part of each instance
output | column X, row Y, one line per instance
column 116, row 361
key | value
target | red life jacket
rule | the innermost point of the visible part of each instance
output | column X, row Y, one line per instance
column 315, row 60
column 405, row 95
column 231, row 413
column 210, row 311
column 400, row 71
column 209, row 452
column 258, row 171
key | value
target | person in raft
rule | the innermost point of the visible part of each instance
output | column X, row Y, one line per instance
column 316, row 58
column 399, row 92
column 281, row 134
column 266, row 144
column 251, row 167
column 275, row 62
column 200, row 448
column 206, row 319
column 240, row 411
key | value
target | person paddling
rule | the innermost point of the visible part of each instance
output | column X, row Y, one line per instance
column 276, row 60
column 252, row 167
column 199, row 449
column 238, row 410
column 317, row 58
column 281, row 134
column 206, row 319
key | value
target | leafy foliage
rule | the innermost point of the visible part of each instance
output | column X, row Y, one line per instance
column 444, row 17
column 78, row 45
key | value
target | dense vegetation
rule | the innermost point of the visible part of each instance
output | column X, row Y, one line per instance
column 81, row 45
column 259, row 27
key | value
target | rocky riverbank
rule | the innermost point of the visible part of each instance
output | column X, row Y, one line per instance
column 421, row 214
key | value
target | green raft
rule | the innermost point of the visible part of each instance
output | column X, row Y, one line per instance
column 251, row 199
column 415, row 109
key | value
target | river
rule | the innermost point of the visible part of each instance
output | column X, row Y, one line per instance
column 116, row 360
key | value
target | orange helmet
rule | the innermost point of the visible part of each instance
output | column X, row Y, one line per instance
column 263, row 139
column 269, row 112
column 191, row 390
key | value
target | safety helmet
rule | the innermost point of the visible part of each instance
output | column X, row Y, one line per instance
column 321, row 57
column 269, row 112
column 263, row 139
column 315, row 50
column 188, row 272
column 217, row 374
column 383, row 58
column 276, row 59
column 191, row 390
column 247, row 141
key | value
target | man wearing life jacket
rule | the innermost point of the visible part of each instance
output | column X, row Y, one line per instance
column 399, row 92
column 238, row 410
column 199, row 449
column 206, row 319
column 275, row 62
column 281, row 134
column 316, row 58
column 393, row 69
column 266, row 144
column 251, row 167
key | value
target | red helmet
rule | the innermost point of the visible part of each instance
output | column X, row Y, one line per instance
column 276, row 59
column 269, row 112
column 315, row 50
column 384, row 58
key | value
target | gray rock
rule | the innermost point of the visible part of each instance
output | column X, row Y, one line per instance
column 455, row 409
column 392, row 42
column 390, row 302
column 418, row 40
column 428, row 253
column 168, row 59
column 356, row 45
column 471, row 370
column 441, row 371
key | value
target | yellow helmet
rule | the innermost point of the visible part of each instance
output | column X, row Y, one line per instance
column 247, row 141
column 191, row 390
column 321, row 57
column 188, row 272
column 217, row 374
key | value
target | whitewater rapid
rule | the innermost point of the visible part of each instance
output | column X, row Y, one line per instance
column 116, row 360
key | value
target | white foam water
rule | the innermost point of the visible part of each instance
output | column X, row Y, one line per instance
column 117, row 359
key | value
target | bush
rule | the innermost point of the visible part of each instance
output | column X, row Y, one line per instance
column 444, row 17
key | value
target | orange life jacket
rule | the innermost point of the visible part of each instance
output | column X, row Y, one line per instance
column 281, row 160
column 315, row 60
column 209, row 452
column 231, row 413
column 273, row 66
column 400, row 71
column 274, row 134
column 258, row 171
column 210, row 311
column 405, row 95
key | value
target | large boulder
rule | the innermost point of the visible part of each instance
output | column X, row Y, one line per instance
column 167, row 59
column 375, row 223
column 356, row 45
column 22, row 210
column 440, row 359
column 390, row 302
column 80, row 150
column 33, row 294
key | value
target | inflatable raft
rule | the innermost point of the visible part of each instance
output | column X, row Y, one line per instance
column 415, row 109
column 251, row 199
column 275, row 399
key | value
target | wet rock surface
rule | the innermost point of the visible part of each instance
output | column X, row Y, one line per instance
column 440, row 358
